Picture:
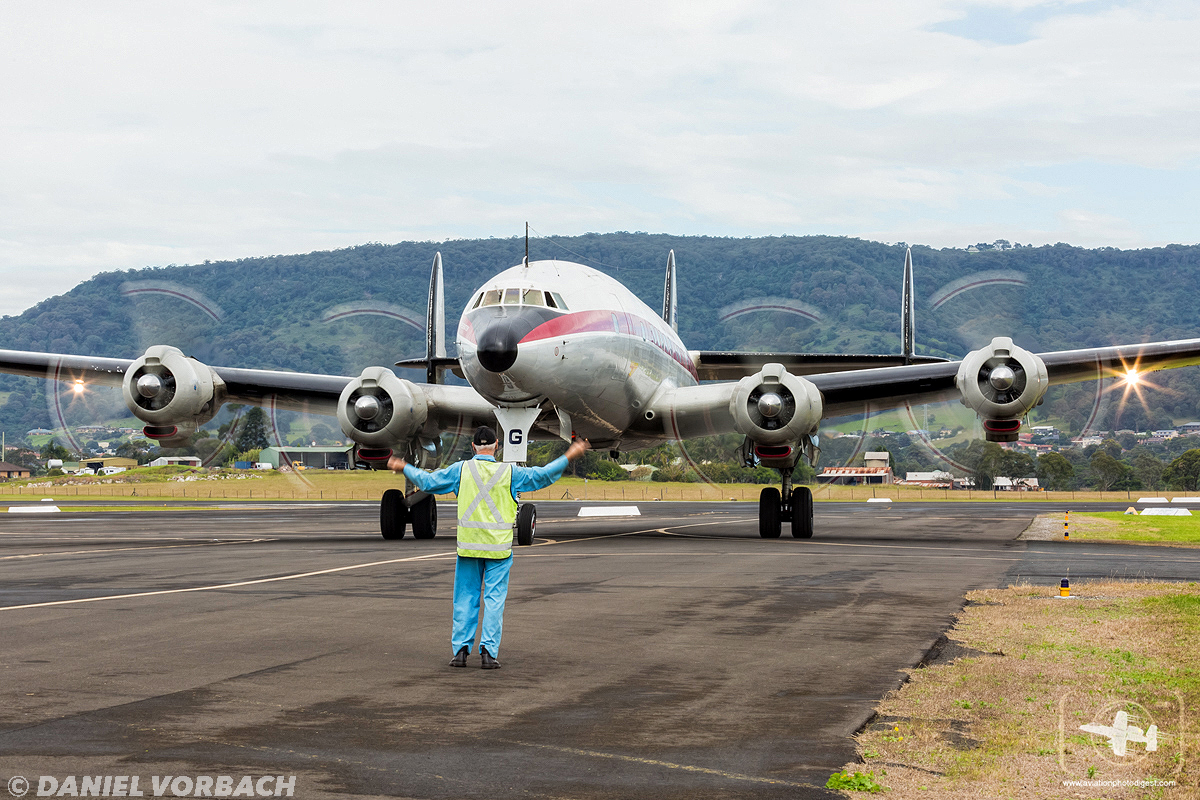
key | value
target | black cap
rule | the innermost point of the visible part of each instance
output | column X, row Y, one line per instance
column 484, row 436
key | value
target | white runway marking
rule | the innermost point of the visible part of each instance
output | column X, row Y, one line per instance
column 609, row 511
column 125, row 549
column 233, row 585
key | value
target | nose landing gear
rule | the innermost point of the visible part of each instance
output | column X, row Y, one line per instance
column 797, row 509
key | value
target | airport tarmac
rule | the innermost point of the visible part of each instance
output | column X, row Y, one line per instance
column 668, row 655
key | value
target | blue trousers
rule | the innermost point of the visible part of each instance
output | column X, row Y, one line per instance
column 470, row 575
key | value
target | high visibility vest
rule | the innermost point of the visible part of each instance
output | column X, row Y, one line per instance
column 486, row 509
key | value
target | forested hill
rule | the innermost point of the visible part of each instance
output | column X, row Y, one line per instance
column 268, row 312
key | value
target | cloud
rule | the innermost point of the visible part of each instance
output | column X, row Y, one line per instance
column 140, row 134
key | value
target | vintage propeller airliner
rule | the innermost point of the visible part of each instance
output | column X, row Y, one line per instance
column 558, row 349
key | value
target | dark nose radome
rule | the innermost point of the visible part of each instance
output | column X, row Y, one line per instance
column 497, row 347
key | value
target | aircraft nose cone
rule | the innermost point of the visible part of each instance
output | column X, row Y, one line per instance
column 497, row 346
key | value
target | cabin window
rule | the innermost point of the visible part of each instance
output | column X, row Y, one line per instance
column 558, row 300
column 533, row 297
column 512, row 297
column 491, row 297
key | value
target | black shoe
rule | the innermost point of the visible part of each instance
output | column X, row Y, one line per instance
column 488, row 661
column 460, row 658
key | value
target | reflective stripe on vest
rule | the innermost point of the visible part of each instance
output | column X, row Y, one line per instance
column 486, row 510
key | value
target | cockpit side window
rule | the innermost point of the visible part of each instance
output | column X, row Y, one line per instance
column 491, row 297
column 512, row 297
column 558, row 300
column 533, row 297
column 478, row 301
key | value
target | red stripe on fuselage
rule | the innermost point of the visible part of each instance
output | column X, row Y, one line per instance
column 602, row 321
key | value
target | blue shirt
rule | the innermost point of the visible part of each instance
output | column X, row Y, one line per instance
column 524, row 479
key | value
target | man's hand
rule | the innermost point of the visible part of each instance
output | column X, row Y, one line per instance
column 396, row 464
column 577, row 448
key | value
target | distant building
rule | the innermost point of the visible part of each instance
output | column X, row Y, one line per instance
column 875, row 469
column 1170, row 433
column 171, row 461
column 937, row 479
column 308, row 457
column 1015, row 484
column 1189, row 428
column 9, row 471
column 877, row 459
column 849, row 476
column 99, row 464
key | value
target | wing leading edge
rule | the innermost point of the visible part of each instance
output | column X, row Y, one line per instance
column 451, row 408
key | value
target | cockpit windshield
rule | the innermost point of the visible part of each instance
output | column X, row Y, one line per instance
column 526, row 297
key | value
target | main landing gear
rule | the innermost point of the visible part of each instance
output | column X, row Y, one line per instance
column 396, row 512
column 797, row 510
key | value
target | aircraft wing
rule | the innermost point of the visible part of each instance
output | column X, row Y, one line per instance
column 706, row 409
column 450, row 408
column 892, row 387
column 712, row 365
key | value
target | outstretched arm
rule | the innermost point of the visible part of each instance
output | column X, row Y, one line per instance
column 529, row 479
column 443, row 481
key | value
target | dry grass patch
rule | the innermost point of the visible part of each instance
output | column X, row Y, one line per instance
column 997, row 713
column 1049, row 527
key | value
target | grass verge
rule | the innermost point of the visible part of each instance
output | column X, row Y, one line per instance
column 997, row 713
column 1113, row 526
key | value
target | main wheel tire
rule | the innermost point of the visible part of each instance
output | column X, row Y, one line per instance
column 802, row 512
column 424, row 518
column 769, row 509
column 393, row 514
column 526, row 522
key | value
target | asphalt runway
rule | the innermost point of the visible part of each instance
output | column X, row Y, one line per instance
column 671, row 655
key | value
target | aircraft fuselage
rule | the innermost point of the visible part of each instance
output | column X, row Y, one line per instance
column 565, row 333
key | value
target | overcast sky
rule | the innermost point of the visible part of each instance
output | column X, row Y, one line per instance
column 144, row 133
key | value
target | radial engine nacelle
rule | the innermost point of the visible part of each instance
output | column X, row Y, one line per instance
column 1001, row 383
column 774, row 407
column 172, row 393
column 379, row 410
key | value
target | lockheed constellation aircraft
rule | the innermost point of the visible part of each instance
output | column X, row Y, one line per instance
column 558, row 349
